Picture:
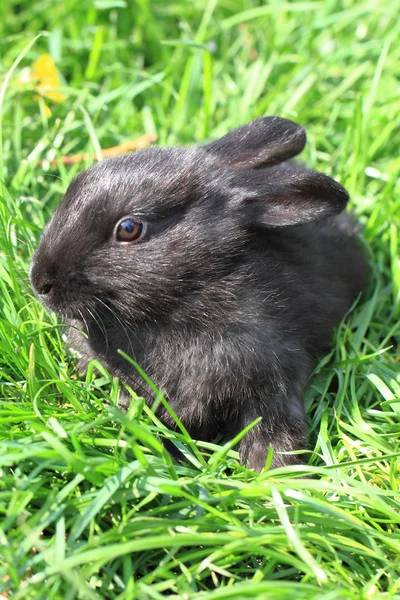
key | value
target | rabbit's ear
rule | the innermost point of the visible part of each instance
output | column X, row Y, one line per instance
column 300, row 196
column 262, row 143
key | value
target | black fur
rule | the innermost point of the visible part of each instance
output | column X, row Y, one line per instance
column 246, row 269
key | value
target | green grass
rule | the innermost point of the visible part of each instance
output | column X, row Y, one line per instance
column 91, row 505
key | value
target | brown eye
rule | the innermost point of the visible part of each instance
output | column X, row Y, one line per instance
column 130, row 230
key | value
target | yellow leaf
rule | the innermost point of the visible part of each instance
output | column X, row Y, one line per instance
column 51, row 94
column 44, row 67
column 45, row 75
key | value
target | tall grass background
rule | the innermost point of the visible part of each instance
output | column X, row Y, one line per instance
column 91, row 505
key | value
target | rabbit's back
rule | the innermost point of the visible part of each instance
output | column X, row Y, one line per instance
column 324, row 271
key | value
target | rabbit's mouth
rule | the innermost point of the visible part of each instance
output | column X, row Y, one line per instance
column 95, row 314
column 67, row 310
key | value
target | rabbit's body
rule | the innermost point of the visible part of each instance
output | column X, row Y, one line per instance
column 223, row 303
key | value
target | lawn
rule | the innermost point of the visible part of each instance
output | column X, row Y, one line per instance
column 92, row 506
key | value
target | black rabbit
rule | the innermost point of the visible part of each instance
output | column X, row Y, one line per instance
column 222, row 270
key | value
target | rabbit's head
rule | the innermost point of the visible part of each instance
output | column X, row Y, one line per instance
column 138, row 234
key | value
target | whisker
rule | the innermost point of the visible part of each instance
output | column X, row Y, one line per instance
column 128, row 333
column 100, row 324
column 84, row 320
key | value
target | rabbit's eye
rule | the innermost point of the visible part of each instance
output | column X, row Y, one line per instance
column 130, row 230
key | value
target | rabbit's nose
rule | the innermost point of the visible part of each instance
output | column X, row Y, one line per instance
column 42, row 279
column 44, row 288
column 43, row 283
